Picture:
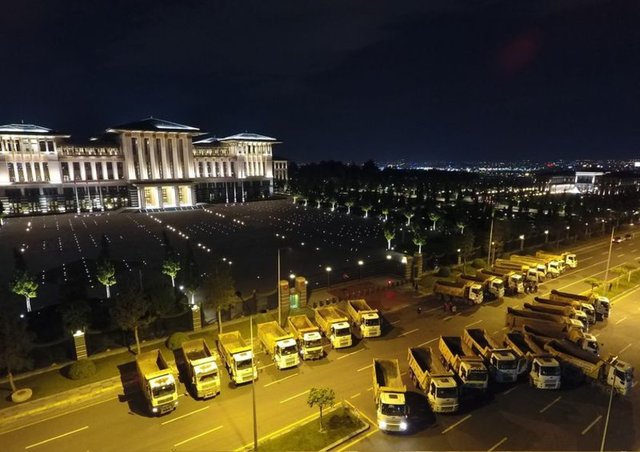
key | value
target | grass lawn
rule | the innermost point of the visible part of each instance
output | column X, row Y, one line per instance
column 338, row 424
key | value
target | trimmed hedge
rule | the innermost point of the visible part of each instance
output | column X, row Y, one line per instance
column 174, row 342
column 445, row 272
column 83, row 368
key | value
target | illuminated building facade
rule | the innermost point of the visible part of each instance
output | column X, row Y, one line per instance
column 148, row 164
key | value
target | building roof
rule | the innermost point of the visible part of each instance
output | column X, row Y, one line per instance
column 246, row 136
column 27, row 129
column 207, row 140
column 154, row 125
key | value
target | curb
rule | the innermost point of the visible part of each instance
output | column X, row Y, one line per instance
column 349, row 437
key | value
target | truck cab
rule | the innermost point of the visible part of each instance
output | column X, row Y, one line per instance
column 370, row 326
column 503, row 365
column 442, row 394
column 392, row 412
column 285, row 352
column 340, row 335
column 311, row 346
column 620, row 375
column 244, row 369
column 545, row 373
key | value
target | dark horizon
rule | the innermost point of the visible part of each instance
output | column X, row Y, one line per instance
column 450, row 80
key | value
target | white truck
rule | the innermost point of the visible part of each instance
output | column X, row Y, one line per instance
column 334, row 324
column 468, row 291
column 517, row 318
column 470, row 370
column 611, row 372
column 502, row 361
column 570, row 260
column 237, row 356
column 512, row 281
column 564, row 311
column 600, row 303
column 157, row 382
column 587, row 308
column 586, row 341
column 365, row 319
column 278, row 344
column 543, row 370
column 548, row 268
column 202, row 368
column 439, row 385
column 392, row 412
column 492, row 285
column 531, row 276
column 307, row 335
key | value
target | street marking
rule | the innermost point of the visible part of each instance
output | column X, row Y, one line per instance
column 354, row 396
column 428, row 342
column 396, row 322
column 582, row 259
column 591, row 425
column 370, row 388
column 184, row 415
column 634, row 251
column 456, row 424
column 620, row 255
column 620, row 352
column 364, row 368
column 268, row 365
column 449, row 317
column 349, row 354
column 550, row 405
column 409, row 332
column 633, row 385
column 498, row 444
column 282, row 379
column 57, row 437
column 197, row 436
column 295, row 396
column 374, row 429
column 509, row 391
column 605, row 252
column 471, row 324
column 622, row 319
column 437, row 308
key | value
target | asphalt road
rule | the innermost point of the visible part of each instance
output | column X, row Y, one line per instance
column 513, row 418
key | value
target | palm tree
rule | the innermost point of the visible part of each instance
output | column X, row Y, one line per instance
column 433, row 216
column 333, row 204
column 106, row 274
column 295, row 197
column 24, row 284
column 366, row 208
column 171, row 267
column 418, row 239
column 385, row 212
column 349, row 205
column 389, row 234
column 409, row 215
column 461, row 225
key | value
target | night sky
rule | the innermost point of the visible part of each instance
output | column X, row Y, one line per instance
column 345, row 79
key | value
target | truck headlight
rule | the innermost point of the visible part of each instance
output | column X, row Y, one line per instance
column 382, row 424
column 403, row 426
column 154, row 409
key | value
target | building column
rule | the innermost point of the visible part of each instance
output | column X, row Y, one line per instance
column 235, row 192
column 152, row 154
column 177, row 167
column 114, row 166
column 165, row 163
column 83, row 173
column 94, row 173
column 141, row 159
column 105, row 173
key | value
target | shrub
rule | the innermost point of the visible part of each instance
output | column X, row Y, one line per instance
column 174, row 342
column 479, row 263
column 445, row 272
column 83, row 368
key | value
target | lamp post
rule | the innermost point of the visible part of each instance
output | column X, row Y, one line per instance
column 328, row 269
column 546, row 235
column 490, row 237
column 279, row 297
column 253, row 389
column 360, row 264
column 606, row 273
column 568, row 228
column 521, row 242
column 459, row 256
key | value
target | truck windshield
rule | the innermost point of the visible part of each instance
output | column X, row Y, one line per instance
column 551, row 371
column 244, row 364
column 477, row 375
column 476, row 291
column 164, row 390
column 208, row 378
column 507, row 365
column 289, row 350
column 624, row 376
column 313, row 343
column 393, row 410
column 447, row 393
column 342, row 331
column 372, row 322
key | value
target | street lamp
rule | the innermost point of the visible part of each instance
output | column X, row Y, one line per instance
column 546, row 235
column 459, row 256
column 521, row 242
column 360, row 264
column 292, row 276
column 606, row 273
column 568, row 227
column 328, row 269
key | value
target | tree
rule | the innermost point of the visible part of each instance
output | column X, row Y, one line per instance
column 106, row 274
column 434, row 217
column 219, row 291
column 25, row 285
column 322, row 398
column 461, row 225
column 333, row 202
column 131, row 311
column 419, row 239
column 170, row 267
column 15, row 344
column 366, row 208
column 349, row 205
column 629, row 268
column 389, row 234
column 594, row 283
column 409, row 215
column 75, row 315
column 385, row 212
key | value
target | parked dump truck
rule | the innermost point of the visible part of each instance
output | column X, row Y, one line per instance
column 237, row 356
column 157, row 382
column 334, row 324
column 502, row 362
column 492, row 286
column 600, row 303
column 570, row 260
column 278, row 344
column 547, row 269
column 392, row 412
column 469, row 369
column 585, row 341
column 467, row 291
column 202, row 368
column 512, row 281
column 611, row 372
column 531, row 275
column 517, row 318
column 307, row 336
column 564, row 311
column 543, row 370
column 365, row 319
column 439, row 385
column 587, row 308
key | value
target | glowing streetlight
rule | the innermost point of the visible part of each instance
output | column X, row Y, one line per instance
column 546, row 235
column 459, row 256
column 360, row 264
column 521, row 242
column 328, row 269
